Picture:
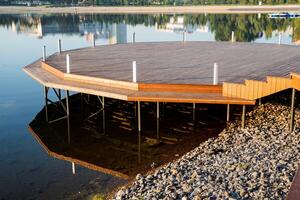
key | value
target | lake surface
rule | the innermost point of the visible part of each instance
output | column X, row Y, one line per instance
column 26, row 170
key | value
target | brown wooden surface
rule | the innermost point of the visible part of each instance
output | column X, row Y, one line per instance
column 49, row 80
column 294, row 192
column 182, row 63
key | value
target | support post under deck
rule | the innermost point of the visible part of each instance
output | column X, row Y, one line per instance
column 157, row 123
column 228, row 113
column 139, row 131
column 46, row 103
column 194, row 112
column 243, row 116
column 292, row 120
column 103, row 114
column 68, row 115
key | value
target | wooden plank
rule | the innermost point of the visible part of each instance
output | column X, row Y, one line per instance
column 180, row 88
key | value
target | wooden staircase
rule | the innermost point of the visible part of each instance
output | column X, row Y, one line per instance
column 253, row 89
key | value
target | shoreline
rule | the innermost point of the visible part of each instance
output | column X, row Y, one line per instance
column 239, row 163
column 152, row 9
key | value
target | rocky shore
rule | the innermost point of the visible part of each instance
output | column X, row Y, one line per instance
column 258, row 162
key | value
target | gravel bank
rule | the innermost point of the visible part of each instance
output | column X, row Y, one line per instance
column 258, row 162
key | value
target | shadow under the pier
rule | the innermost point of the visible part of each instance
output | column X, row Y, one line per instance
column 109, row 141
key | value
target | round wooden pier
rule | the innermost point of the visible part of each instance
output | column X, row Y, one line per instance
column 174, row 71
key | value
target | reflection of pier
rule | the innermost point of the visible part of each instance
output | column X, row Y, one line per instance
column 117, row 148
column 177, row 25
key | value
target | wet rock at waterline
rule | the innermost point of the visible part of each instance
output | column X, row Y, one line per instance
column 257, row 162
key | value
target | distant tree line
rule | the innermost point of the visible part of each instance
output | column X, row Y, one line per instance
column 247, row 27
column 154, row 2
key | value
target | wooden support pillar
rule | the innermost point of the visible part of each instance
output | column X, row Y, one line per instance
column 292, row 120
column 243, row 116
column 46, row 102
column 228, row 113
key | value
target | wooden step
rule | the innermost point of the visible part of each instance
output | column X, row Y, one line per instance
column 253, row 89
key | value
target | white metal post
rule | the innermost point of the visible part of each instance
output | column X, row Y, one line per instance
column 134, row 71
column 184, row 36
column 73, row 168
column 59, row 46
column 232, row 36
column 279, row 38
column 44, row 53
column 68, row 63
column 133, row 37
column 94, row 40
column 215, row 81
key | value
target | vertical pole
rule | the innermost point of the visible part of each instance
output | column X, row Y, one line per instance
column 259, row 101
column 46, row 102
column 215, row 81
column 139, row 129
column 279, row 38
column 133, row 37
column 68, row 63
column 228, row 113
column 184, row 36
column 194, row 113
column 59, row 94
column 134, row 77
column 292, row 111
column 243, row 116
column 232, row 36
column 73, row 168
column 103, row 114
column 68, row 115
column 157, row 122
column 44, row 53
column 59, row 46
column 94, row 40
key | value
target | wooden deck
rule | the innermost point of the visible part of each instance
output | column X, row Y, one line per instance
column 182, row 63
column 210, row 96
column 175, row 71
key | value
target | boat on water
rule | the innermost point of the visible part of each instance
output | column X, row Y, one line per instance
column 284, row 15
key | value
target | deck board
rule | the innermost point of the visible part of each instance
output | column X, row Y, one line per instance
column 183, row 63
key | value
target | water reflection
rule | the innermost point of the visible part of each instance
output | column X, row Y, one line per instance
column 115, row 28
column 113, row 145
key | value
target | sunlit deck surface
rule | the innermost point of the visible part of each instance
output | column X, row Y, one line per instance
column 173, row 71
column 182, row 62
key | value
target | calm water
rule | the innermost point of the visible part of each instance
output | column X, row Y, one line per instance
column 26, row 171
